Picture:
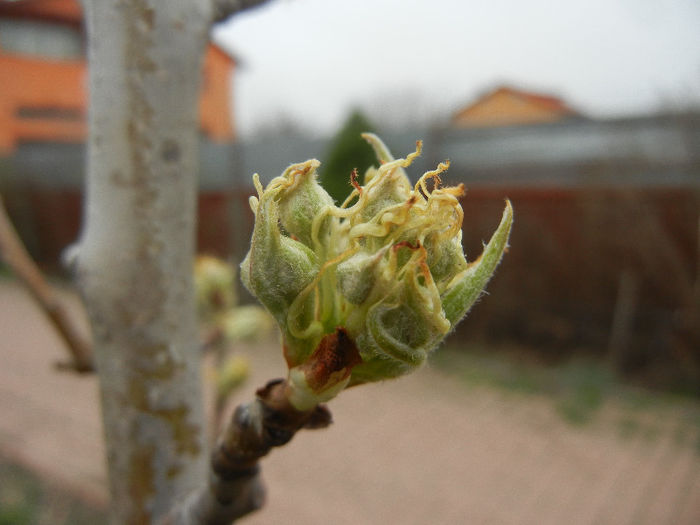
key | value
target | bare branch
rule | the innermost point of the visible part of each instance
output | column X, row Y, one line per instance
column 224, row 9
column 13, row 252
column 235, row 487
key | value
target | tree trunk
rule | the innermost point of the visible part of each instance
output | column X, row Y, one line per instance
column 135, row 258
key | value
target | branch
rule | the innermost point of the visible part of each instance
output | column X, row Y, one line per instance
column 224, row 9
column 235, row 487
column 15, row 255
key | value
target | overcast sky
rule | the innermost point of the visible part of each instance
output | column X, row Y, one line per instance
column 310, row 60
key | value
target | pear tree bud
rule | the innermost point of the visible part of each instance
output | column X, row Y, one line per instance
column 214, row 282
column 365, row 291
column 231, row 375
column 245, row 323
column 278, row 266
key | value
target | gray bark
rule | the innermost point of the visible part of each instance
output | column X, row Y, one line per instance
column 135, row 256
column 235, row 487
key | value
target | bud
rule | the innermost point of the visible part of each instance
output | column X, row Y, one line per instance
column 364, row 291
column 217, row 303
column 231, row 375
column 278, row 266
column 244, row 323
column 214, row 282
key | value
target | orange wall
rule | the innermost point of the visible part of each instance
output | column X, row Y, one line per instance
column 504, row 108
column 29, row 82
column 214, row 103
column 66, row 11
column 40, row 84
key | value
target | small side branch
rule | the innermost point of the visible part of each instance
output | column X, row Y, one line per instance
column 13, row 252
column 223, row 9
column 235, row 487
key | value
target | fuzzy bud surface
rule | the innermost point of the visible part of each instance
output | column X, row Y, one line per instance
column 363, row 291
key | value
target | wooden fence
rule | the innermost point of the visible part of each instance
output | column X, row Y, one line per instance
column 604, row 252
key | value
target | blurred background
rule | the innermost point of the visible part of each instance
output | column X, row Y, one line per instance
column 585, row 114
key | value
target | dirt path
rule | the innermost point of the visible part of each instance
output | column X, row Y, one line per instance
column 420, row 450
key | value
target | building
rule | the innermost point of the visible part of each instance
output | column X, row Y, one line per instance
column 43, row 88
column 506, row 106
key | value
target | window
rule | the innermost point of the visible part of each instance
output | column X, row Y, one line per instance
column 42, row 39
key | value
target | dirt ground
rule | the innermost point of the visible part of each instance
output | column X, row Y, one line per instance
column 420, row 450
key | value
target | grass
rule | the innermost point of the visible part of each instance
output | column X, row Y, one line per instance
column 27, row 500
column 578, row 391
column 5, row 272
column 582, row 388
column 578, row 388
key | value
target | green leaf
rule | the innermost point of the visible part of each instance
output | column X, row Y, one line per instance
column 466, row 288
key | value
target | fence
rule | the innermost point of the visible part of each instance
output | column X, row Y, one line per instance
column 607, row 214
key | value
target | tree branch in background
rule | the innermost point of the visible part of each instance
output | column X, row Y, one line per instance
column 235, row 487
column 13, row 252
column 223, row 9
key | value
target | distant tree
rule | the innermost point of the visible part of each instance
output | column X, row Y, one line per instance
column 348, row 151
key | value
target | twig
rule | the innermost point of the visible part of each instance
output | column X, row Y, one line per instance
column 15, row 255
column 235, row 487
column 223, row 9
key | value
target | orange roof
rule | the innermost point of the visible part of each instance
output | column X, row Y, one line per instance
column 506, row 105
column 548, row 102
column 545, row 101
